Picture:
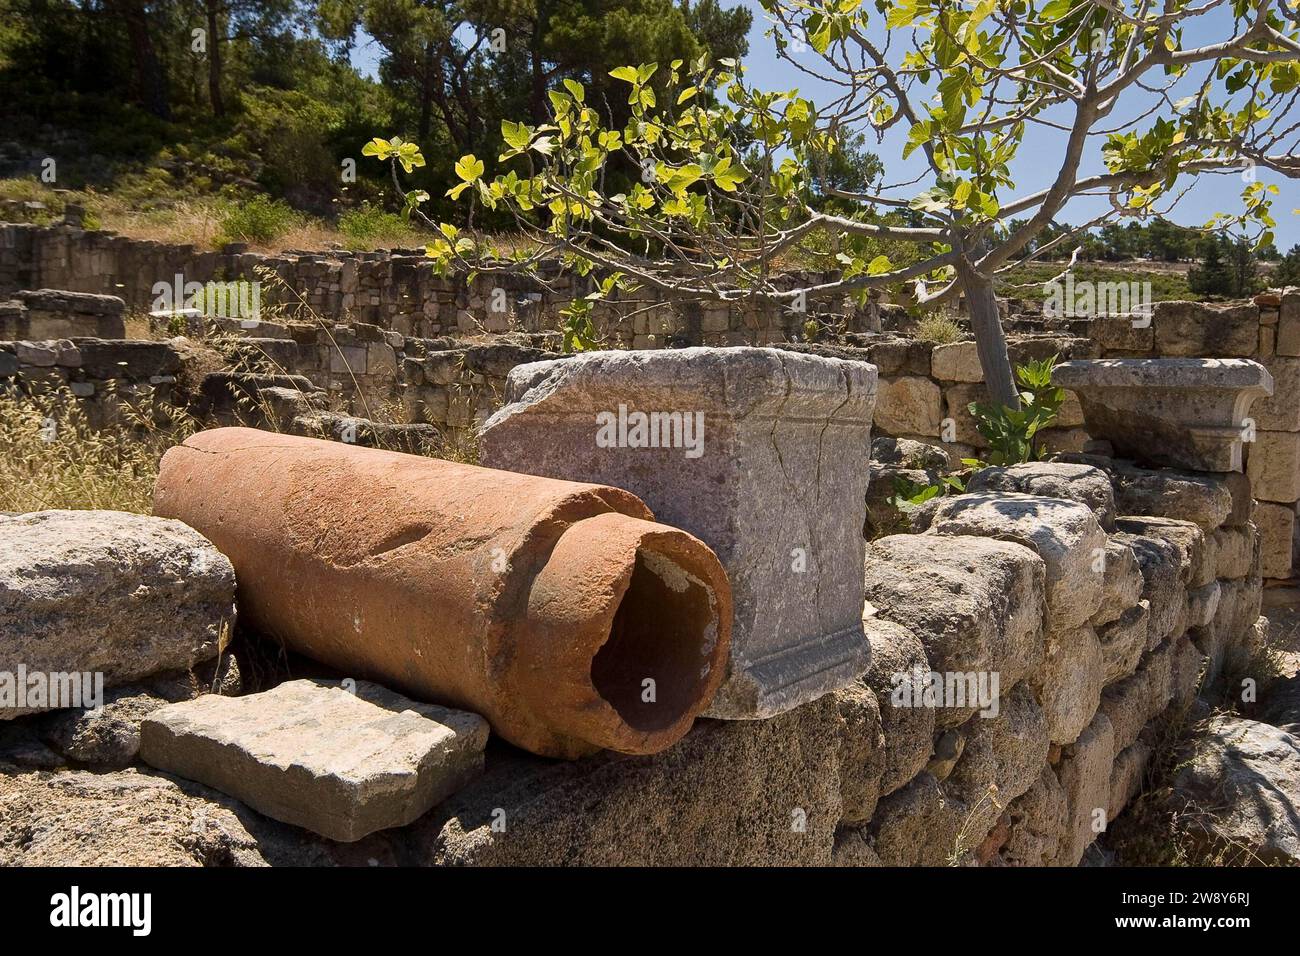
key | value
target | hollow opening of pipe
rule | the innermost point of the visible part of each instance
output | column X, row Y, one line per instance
column 653, row 666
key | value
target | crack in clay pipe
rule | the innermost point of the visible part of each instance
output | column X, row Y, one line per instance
column 543, row 605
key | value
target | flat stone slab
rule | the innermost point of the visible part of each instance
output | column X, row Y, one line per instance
column 1182, row 412
column 760, row 453
column 316, row 755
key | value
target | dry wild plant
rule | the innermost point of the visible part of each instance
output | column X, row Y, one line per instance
column 54, row 458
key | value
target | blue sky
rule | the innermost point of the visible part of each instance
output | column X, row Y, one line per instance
column 1037, row 161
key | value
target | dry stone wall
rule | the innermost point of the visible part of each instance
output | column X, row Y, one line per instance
column 1067, row 669
column 388, row 333
column 396, row 290
column 1268, row 331
column 1099, row 623
column 1026, row 645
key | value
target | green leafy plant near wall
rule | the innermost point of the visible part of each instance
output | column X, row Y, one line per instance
column 908, row 492
column 1012, row 434
column 579, row 330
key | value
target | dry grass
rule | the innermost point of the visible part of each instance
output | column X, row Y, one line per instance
column 1266, row 663
column 244, row 355
column 54, row 458
column 187, row 221
column 1162, row 827
column 197, row 220
column 138, row 327
column 939, row 328
column 967, row 840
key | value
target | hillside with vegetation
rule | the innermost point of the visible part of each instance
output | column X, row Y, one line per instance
column 214, row 121
column 227, row 120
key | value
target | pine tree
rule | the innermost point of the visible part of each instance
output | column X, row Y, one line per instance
column 1245, row 269
column 1288, row 270
column 1213, row 276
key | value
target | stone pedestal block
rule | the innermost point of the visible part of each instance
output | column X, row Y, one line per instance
column 760, row 453
column 1183, row 412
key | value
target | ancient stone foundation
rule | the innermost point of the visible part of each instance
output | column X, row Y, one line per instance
column 1029, row 639
column 388, row 330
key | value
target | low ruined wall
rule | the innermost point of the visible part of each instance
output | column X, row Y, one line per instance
column 1267, row 331
column 925, row 391
column 397, row 291
column 104, row 375
column 397, row 312
column 50, row 314
column 1076, row 605
column 1079, row 658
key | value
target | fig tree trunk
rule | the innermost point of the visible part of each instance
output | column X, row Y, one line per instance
column 990, row 341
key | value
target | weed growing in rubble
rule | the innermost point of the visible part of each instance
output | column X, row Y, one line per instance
column 1162, row 827
column 967, row 840
column 54, row 458
column 244, row 355
column 1265, row 664
column 939, row 328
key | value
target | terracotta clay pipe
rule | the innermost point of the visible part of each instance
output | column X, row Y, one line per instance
column 544, row 605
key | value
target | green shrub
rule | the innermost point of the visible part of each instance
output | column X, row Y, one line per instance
column 288, row 131
column 1012, row 434
column 372, row 226
column 261, row 219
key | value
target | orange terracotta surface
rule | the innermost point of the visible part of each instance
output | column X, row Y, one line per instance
column 560, row 611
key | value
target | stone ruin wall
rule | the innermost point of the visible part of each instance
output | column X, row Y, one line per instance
column 397, row 290
column 1090, row 662
column 1003, row 582
column 445, row 363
